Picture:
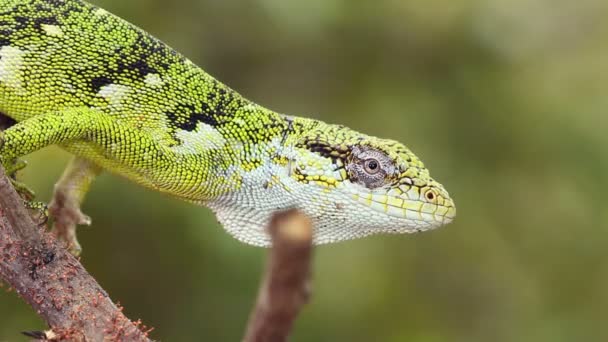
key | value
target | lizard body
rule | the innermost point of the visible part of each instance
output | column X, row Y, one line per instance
column 120, row 100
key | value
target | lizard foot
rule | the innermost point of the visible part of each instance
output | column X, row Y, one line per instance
column 39, row 211
column 67, row 215
column 14, row 166
column 23, row 190
column 11, row 168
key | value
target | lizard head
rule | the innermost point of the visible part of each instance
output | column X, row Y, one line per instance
column 351, row 185
column 365, row 185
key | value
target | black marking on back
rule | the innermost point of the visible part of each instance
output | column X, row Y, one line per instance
column 55, row 2
column 216, row 109
column 21, row 22
column 99, row 82
column 187, row 117
column 140, row 65
column 45, row 20
column 6, row 121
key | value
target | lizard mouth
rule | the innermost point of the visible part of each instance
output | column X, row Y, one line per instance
column 412, row 209
column 427, row 211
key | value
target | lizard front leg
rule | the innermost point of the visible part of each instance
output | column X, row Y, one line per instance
column 124, row 145
column 69, row 193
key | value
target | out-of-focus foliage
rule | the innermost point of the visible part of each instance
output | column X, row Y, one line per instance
column 506, row 103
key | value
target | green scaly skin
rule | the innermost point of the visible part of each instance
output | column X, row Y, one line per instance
column 74, row 75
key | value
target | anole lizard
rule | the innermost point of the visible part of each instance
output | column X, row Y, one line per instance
column 74, row 75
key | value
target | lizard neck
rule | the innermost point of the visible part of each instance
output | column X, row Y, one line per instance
column 217, row 107
column 239, row 121
column 241, row 145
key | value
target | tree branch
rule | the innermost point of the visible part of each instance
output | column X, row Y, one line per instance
column 53, row 282
column 285, row 286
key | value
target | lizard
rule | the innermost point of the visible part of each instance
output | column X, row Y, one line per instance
column 119, row 100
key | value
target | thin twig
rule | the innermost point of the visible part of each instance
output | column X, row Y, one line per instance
column 285, row 287
column 53, row 282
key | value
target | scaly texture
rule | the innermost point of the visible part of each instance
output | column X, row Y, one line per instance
column 75, row 75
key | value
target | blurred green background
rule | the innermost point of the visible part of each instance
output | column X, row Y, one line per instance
column 506, row 103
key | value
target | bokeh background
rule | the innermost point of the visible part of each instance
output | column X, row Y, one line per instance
column 506, row 103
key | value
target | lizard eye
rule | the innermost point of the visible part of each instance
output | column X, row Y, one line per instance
column 371, row 166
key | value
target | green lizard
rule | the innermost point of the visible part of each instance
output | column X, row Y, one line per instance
column 74, row 75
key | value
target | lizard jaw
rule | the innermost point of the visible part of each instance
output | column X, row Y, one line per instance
column 337, row 215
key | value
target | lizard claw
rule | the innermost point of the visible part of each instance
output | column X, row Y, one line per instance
column 10, row 168
column 84, row 220
column 17, row 165
column 23, row 190
column 41, row 335
column 40, row 211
